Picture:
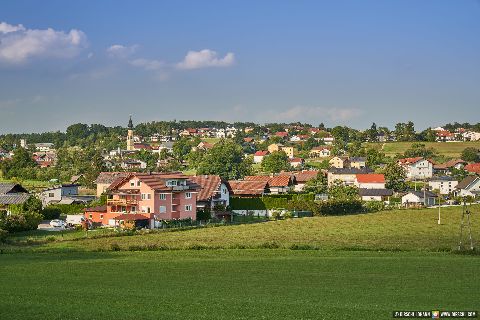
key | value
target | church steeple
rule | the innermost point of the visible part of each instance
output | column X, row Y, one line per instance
column 130, row 138
column 130, row 123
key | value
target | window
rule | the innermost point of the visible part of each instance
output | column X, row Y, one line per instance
column 163, row 196
column 163, row 209
column 51, row 195
column 101, row 216
column 148, row 209
column 133, row 209
column 146, row 196
column 132, row 183
column 188, row 195
column 188, row 207
column 171, row 183
column 90, row 216
column 139, row 183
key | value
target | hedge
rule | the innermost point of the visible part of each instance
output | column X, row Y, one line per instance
column 269, row 201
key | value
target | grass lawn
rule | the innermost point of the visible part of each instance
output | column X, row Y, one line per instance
column 396, row 230
column 234, row 284
column 211, row 140
column 31, row 184
column 447, row 149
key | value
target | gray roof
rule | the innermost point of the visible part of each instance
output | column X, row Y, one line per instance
column 363, row 192
column 168, row 144
column 109, row 177
column 14, row 198
column 350, row 170
column 466, row 182
column 443, row 178
column 358, row 159
column 420, row 194
column 11, row 188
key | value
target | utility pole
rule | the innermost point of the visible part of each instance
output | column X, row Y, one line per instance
column 439, row 207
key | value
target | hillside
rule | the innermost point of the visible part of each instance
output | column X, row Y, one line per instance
column 414, row 230
column 447, row 149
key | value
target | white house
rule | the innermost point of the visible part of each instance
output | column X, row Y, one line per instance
column 444, row 184
column 419, row 198
column 329, row 140
column 471, row 136
column 417, row 168
column 470, row 186
column 375, row 194
column 259, row 155
column 320, row 152
column 370, row 181
column 44, row 147
column 57, row 194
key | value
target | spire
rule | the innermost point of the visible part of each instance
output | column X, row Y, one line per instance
column 130, row 123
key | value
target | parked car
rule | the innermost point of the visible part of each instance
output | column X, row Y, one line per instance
column 57, row 223
column 75, row 219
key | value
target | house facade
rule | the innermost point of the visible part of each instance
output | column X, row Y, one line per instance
column 320, row 152
column 417, row 168
column 156, row 196
column 12, row 193
column 370, row 181
column 339, row 162
column 470, row 186
column 259, row 155
column 419, row 198
column 213, row 191
column 56, row 194
column 445, row 184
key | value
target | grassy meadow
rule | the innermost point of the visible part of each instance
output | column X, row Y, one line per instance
column 447, row 149
column 234, row 284
column 395, row 230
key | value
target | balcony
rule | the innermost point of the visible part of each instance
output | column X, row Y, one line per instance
column 121, row 202
column 180, row 188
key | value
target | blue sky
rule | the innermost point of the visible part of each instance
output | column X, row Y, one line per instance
column 338, row 62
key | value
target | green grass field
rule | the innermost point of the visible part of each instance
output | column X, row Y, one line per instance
column 396, row 230
column 234, row 284
column 447, row 149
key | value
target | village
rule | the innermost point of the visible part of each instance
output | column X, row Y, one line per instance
column 285, row 164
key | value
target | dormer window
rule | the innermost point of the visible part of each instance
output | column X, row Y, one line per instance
column 172, row 183
column 132, row 183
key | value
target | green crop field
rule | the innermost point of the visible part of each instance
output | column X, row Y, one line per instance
column 234, row 284
column 447, row 149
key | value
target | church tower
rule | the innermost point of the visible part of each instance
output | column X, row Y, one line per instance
column 130, row 144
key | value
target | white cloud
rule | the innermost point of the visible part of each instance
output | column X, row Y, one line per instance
column 147, row 64
column 121, row 51
column 19, row 45
column 205, row 58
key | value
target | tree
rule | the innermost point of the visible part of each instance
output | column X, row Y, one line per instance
column 419, row 150
column 372, row 133
column 226, row 160
column 470, row 155
column 317, row 185
column 339, row 191
column 395, row 176
column 275, row 162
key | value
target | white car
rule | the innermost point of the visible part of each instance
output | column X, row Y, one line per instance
column 57, row 223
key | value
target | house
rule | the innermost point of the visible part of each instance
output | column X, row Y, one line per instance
column 296, row 162
column 302, row 177
column 329, row 140
column 274, row 147
column 419, row 198
column 449, row 165
column 282, row 134
column 382, row 194
column 248, row 189
column 155, row 196
column 213, row 191
column 44, row 147
column 99, row 215
column 259, row 155
column 133, row 164
column 347, row 176
column 105, row 179
column 358, row 162
column 299, row 137
column 12, row 193
column 473, row 168
column 370, row 181
column 277, row 184
column 320, row 152
column 58, row 193
column 444, row 184
column 45, row 159
column 167, row 145
column 205, row 146
column 339, row 162
column 444, row 136
column 471, row 136
column 289, row 151
column 248, row 140
column 470, row 186
column 417, row 168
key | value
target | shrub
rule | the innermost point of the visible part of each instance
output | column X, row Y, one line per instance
column 276, row 214
column 288, row 215
column 20, row 222
column 50, row 213
column 340, row 207
column 3, row 235
column 374, row 206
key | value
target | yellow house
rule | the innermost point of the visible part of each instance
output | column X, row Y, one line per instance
column 339, row 162
column 274, row 147
column 288, row 151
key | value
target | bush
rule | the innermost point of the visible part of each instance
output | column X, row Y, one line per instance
column 20, row 222
column 275, row 214
column 340, row 207
column 374, row 206
column 3, row 235
column 50, row 213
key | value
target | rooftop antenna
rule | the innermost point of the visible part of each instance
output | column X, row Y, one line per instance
column 465, row 216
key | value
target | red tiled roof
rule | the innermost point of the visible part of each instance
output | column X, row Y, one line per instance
column 473, row 167
column 409, row 160
column 281, row 134
column 261, row 153
column 370, row 178
column 295, row 160
column 156, row 181
column 257, row 178
column 445, row 133
column 449, row 164
column 248, row 139
column 320, row 148
column 276, row 181
column 96, row 209
column 247, row 187
column 209, row 185
column 142, row 146
column 304, row 176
